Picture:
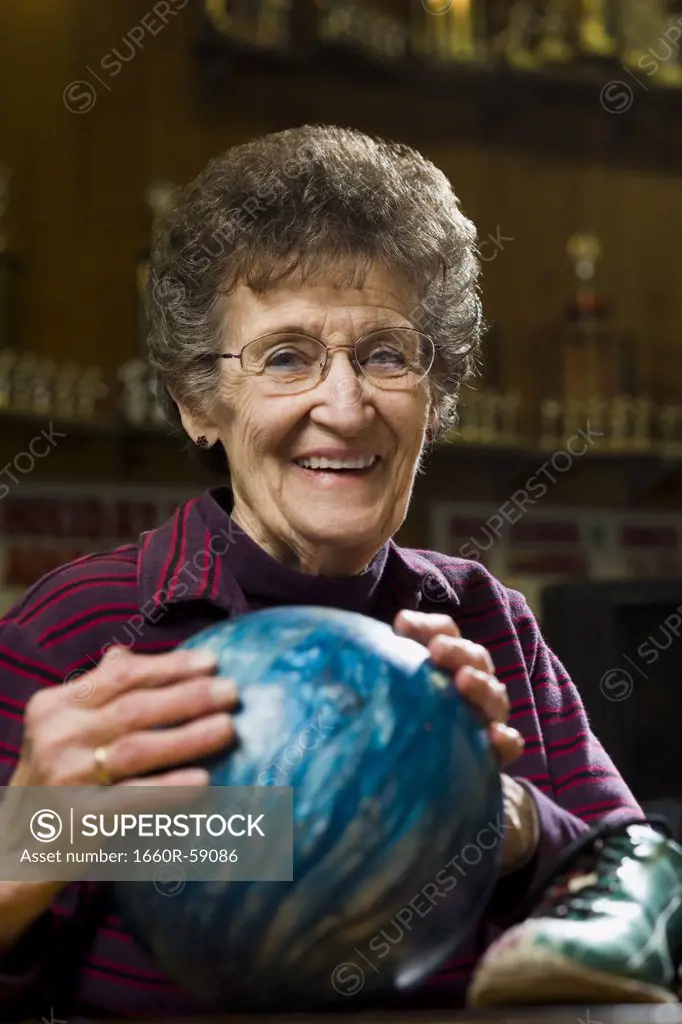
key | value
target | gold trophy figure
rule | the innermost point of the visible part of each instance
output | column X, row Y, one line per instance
column 574, row 418
column 65, row 389
column 274, row 25
column 666, row 55
column 489, row 408
column 554, row 47
column 265, row 26
column 642, row 422
column 622, row 416
column 90, row 390
column 510, row 404
column 8, row 360
column 24, row 372
column 592, row 354
column 470, row 430
column 581, row 375
column 383, row 34
column 644, row 50
column 135, row 395
column 155, row 414
column 596, row 410
column 450, row 30
column 42, row 398
column 593, row 34
column 552, row 419
column 522, row 28
column 670, row 425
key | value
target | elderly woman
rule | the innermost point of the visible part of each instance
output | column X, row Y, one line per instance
column 314, row 312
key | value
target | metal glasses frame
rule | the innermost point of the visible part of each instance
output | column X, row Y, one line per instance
column 330, row 352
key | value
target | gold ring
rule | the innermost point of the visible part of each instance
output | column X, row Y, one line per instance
column 102, row 773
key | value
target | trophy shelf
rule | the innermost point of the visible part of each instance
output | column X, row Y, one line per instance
column 113, row 451
column 564, row 104
column 639, row 474
column 50, row 448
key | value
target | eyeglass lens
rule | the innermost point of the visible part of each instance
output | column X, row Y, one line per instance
column 391, row 358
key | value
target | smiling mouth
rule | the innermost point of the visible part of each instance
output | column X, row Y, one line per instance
column 342, row 467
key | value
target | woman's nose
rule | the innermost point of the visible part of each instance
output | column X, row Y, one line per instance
column 342, row 384
column 344, row 375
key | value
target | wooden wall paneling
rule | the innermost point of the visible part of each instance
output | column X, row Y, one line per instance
column 656, row 261
column 79, row 220
column 116, row 157
column 38, row 39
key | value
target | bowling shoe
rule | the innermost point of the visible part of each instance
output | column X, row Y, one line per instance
column 607, row 929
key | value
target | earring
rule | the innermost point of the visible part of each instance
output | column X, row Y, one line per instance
column 202, row 441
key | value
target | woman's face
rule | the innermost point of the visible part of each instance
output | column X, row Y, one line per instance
column 321, row 521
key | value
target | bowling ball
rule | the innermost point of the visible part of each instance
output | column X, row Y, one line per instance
column 388, row 798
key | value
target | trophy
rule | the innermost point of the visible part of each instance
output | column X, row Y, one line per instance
column 670, row 426
column 21, row 383
column 258, row 24
column 65, row 390
column 622, row 422
column 594, row 37
column 156, row 415
column 489, row 408
column 369, row 28
column 42, row 397
column 573, row 417
column 519, row 40
column 90, row 390
column 552, row 420
column 159, row 197
column 470, row 417
column 8, row 360
column 670, row 70
column 510, row 404
column 643, row 24
column 450, row 30
column 642, row 423
column 596, row 410
column 593, row 356
column 5, row 176
column 553, row 47
column 135, row 394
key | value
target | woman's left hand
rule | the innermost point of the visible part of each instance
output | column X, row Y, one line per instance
column 473, row 671
column 474, row 676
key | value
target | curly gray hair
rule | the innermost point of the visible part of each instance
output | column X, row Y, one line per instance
column 327, row 204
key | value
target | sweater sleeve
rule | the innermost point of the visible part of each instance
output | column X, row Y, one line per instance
column 583, row 779
column 25, row 967
column 583, row 786
column 22, row 966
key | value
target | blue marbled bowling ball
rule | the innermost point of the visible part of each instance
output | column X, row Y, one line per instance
column 388, row 875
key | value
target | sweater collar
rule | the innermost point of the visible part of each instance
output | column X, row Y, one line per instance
column 201, row 554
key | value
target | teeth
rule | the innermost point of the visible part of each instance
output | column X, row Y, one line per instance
column 362, row 463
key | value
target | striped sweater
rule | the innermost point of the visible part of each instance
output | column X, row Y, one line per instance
column 190, row 572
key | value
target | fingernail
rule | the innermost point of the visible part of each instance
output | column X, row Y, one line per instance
column 223, row 689
column 410, row 616
column 508, row 730
column 202, row 660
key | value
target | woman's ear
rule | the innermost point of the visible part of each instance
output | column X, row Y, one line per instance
column 196, row 426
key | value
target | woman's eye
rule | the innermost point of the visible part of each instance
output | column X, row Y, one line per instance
column 385, row 357
column 287, row 359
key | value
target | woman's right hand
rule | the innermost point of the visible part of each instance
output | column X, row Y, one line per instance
column 118, row 706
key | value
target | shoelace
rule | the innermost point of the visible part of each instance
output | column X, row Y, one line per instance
column 593, row 870
column 585, row 849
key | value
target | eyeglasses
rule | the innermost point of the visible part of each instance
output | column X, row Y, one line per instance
column 393, row 358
